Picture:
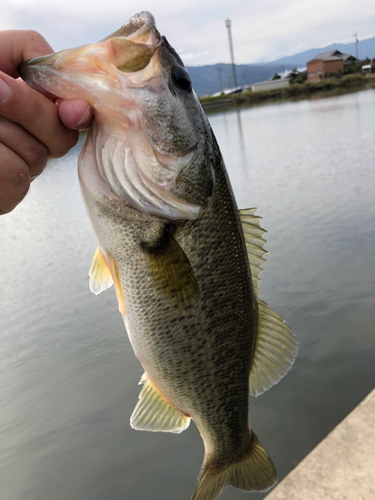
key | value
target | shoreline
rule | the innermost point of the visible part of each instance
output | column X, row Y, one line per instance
column 341, row 466
column 307, row 90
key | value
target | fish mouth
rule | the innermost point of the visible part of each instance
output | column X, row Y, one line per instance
column 104, row 65
column 120, row 77
column 138, row 28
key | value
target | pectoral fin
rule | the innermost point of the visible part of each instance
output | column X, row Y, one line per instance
column 100, row 273
column 154, row 413
column 117, row 282
column 103, row 274
column 171, row 270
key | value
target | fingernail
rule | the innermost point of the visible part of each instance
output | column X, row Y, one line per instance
column 83, row 122
column 5, row 91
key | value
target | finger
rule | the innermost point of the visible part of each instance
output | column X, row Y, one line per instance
column 37, row 115
column 32, row 151
column 18, row 46
column 75, row 113
column 14, row 179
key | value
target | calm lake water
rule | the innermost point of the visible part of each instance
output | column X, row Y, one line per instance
column 68, row 377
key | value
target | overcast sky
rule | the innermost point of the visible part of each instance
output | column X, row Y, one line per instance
column 263, row 30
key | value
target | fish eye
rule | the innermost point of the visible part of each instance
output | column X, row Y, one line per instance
column 181, row 78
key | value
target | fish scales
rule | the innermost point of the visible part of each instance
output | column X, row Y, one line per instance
column 223, row 315
column 176, row 249
column 224, row 327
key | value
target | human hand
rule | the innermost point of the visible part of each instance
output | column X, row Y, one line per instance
column 32, row 127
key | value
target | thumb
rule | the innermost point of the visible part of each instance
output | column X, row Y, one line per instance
column 75, row 113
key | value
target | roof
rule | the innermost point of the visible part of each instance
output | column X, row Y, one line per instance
column 326, row 59
column 348, row 59
column 334, row 55
column 329, row 54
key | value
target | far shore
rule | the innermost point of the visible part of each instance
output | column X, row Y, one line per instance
column 325, row 88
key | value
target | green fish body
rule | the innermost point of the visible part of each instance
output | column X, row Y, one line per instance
column 184, row 261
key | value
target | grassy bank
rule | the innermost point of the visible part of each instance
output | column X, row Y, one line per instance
column 346, row 83
column 216, row 102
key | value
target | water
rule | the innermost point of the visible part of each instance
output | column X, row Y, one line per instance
column 68, row 377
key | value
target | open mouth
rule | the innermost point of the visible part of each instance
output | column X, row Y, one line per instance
column 137, row 27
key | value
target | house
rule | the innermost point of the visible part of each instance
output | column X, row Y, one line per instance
column 332, row 62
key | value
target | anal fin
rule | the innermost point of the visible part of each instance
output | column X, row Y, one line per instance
column 154, row 413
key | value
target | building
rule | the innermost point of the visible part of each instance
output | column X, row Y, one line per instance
column 328, row 63
column 318, row 69
column 366, row 68
column 270, row 85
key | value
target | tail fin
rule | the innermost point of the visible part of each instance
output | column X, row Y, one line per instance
column 253, row 472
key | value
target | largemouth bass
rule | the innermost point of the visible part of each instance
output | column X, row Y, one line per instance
column 184, row 262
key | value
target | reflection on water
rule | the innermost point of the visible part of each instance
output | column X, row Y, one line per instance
column 242, row 141
column 68, row 375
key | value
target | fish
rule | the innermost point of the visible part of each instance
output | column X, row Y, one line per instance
column 183, row 260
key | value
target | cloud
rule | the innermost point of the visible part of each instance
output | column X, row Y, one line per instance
column 262, row 30
column 192, row 56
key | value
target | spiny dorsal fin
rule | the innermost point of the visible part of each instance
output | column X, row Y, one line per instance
column 276, row 346
column 100, row 273
column 154, row 413
column 275, row 350
column 255, row 242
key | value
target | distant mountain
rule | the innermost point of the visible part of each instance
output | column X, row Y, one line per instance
column 366, row 48
column 206, row 79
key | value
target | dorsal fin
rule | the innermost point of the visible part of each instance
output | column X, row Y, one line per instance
column 253, row 234
column 275, row 350
column 276, row 346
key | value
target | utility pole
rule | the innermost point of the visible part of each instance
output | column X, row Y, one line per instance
column 356, row 45
column 219, row 70
column 228, row 24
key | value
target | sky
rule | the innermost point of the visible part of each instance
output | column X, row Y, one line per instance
column 262, row 30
